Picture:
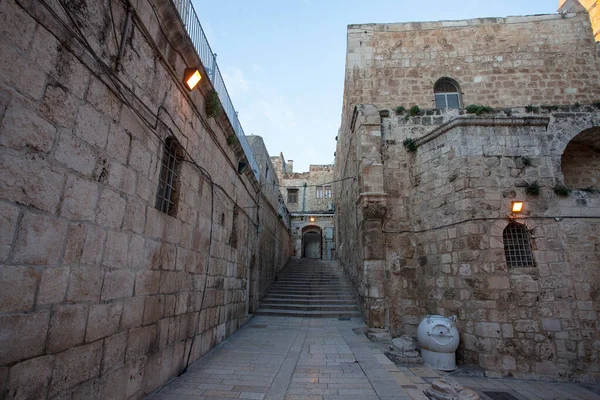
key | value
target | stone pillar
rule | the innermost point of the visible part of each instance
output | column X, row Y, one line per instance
column 373, row 208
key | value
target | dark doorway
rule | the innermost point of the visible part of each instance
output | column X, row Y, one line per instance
column 311, row 244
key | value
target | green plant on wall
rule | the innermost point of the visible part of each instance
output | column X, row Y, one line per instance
column 533, row 189
column 414, row 110
column 231, row 139
column 410, row 144
column 562, row 190
column 213, row 104
column 532, row 109
column 478, row 110
column 400, row 110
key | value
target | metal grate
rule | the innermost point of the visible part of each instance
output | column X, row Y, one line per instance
column 497, row 395
column 168, row 181
column 517, row 246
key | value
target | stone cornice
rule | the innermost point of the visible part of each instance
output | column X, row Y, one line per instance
column 482, row 121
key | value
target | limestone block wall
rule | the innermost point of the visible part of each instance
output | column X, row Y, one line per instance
column 318, row 176
column 446, row 213
column 591, row 6
column 101, row 294
column 499, row 62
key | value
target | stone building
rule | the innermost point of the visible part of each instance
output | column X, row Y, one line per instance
column 591, row 7
column 428, row 226
column 309, row 198
column 134, row 234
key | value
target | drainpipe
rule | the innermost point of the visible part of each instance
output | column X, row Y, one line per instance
column 126, row 27
column 304, row 197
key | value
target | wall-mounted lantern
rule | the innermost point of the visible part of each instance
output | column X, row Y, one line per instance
column 312, row 219
column 191, row 77
column 517, row 207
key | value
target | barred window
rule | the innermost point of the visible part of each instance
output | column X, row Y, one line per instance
column 328, row 193
column 319, row 192
column 167, row 196
column 517, row 246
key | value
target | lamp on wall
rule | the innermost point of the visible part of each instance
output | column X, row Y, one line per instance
column 517, row 207
column 191, row 77
column 312, row 219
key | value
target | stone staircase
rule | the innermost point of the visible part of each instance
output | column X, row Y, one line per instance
column 310, row 288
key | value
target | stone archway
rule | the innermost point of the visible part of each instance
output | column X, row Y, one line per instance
column 312, row 242
column 580, row 162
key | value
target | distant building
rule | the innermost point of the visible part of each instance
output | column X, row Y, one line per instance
column 309, row 198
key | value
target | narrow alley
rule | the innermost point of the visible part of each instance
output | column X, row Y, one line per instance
column 311, row 358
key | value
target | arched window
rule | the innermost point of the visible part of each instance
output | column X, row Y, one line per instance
column 167, row 196
column 517, row 246
column 447, row 94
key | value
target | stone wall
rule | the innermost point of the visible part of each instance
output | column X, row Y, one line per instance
column 591, row 6
column 446, row 206
column 307, row 184
column 498, row 62
column 101, row 294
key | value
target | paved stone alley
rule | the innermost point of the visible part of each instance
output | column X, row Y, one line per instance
column 323, row 359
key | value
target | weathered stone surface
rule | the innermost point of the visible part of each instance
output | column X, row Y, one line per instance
column 103, row 321
column 111, row 209
column 118, row 284
column 30, row 379
column 75, row 365
column 92, row 126
column 67, row 327
column 9, row 216
column 85, row 284
column 75, row 154
column 379, row 335
column 115, row 252
column 39, row 240
column 449, row 389
column 79, row 200
column 22, row 336
column 113, row 355
column 53, row 285
column 18, row 286
column 133, row 312
column 20, row 129
column 30, row 181
column 141, row 341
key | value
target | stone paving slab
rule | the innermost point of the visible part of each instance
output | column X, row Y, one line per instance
column 275, row 358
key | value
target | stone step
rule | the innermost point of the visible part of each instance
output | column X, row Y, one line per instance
column 307, row 301
column 298, row 286
column 284, row 296
column 313, row 307
column 307, row 314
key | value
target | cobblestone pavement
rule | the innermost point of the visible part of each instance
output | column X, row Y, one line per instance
column 323, row 359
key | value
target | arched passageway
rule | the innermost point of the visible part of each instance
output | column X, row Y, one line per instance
column 580, row 162
column 311, row 242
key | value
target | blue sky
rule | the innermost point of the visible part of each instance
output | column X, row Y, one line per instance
column 283, row 61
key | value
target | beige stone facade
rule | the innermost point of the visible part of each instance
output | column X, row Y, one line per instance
column 427, row 227
column 592, row 8
column 309, row 198
column 102, row 295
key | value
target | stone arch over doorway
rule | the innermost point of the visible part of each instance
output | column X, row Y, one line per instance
column 580, row 162
column 312, row 242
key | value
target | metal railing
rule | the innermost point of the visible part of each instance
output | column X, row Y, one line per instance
column 196, row 33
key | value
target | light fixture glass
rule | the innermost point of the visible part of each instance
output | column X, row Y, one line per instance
column 191, row 77
column 517, row 207
column 312, row 219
